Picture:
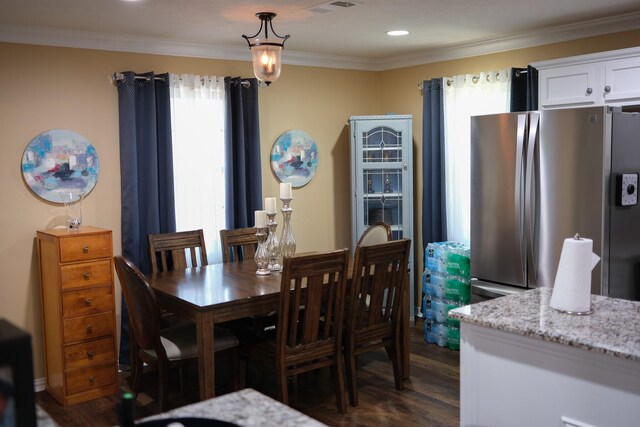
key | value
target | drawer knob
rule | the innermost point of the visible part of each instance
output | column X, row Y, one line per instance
column 85, row 249
column 89, row 329
column 87, row 302
column 589, row 91
column 92, row 379
column 607, row 89
column 86, row 275
column 90, row 354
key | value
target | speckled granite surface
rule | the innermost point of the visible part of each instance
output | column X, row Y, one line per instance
column 246, row 408
column 613, row 328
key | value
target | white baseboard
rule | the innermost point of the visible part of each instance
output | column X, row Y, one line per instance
column 38, row 384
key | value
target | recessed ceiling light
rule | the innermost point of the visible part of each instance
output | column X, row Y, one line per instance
column 397, row 33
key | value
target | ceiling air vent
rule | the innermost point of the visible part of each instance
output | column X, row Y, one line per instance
column 342, row 3
column 331, row 7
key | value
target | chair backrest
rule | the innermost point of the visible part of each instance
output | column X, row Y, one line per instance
column 312, row 295
column 144, row 313
column 168, row 251
column 239, row 244
column 377, row 285
column 377, row 233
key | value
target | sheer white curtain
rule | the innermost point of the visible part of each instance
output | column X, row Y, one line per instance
column 197, row 122
column 466, row 96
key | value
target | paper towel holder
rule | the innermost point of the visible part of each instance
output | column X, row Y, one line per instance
column 577, row 313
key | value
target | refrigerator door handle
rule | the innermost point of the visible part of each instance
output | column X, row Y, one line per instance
column 530, row 191
column 519, row 187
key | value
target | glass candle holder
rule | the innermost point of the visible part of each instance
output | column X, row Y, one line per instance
column 273, row 243
column 262, row 255
column 287, row 241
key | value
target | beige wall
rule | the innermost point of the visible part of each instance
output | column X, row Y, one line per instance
column 46, row 88
column 43, row 88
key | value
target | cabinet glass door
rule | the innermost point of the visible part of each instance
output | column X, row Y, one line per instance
column 382, row 178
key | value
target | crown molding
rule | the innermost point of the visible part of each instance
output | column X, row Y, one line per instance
column 561, row 33
column 111, row 42
column 118, row 43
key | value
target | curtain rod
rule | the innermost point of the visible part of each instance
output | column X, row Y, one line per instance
column 474, row 79
column 119, row 77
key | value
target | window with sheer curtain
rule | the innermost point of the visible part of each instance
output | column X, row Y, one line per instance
column 466, row 96
column 197, row 131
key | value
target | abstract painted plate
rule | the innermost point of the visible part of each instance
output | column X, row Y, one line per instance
column 60, row 160
column 294, row 158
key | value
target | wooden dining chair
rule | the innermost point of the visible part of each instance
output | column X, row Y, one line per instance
column 163, row 348
column 377, row 233
column 173, row 251
column 309, row 330
column 379, row 276
column 239, row 244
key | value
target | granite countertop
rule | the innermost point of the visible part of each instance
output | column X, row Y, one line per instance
column 613, row 328
column 246, row 408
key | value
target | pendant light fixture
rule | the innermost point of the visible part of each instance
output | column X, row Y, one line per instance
column 265, row 51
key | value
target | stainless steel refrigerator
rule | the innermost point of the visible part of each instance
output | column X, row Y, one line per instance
column 539, row 177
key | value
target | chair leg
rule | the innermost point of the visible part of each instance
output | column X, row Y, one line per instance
column 396, row 360
column 283, row 390
column 352, row 386
column 242, row 374
column 232, row 354
column 163, row 385
column 136, row 368
column 337, row 371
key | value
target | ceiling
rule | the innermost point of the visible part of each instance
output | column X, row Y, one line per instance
column 322, row 34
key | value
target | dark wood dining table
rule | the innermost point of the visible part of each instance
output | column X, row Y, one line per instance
column 219, row 293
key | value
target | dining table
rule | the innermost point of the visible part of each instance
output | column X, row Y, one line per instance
column 217, row 293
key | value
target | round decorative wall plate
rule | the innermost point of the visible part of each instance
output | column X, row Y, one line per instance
column 60, row 160
column 294, row 158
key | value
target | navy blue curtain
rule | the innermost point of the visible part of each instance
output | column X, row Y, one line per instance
column 434, row 218
column 242, row 152
column 146, row 172
column 524, row 89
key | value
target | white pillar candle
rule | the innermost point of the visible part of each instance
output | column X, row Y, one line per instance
column 261, row 219
column 285, row 190
column 270, row 205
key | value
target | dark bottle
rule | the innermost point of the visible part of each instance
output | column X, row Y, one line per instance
column 127, row 409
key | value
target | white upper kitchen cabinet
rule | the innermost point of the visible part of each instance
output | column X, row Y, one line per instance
column 605, row 78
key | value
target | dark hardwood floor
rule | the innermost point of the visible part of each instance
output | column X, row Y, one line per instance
column 431, row 396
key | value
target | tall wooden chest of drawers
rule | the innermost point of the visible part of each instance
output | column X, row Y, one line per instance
column 76, row 276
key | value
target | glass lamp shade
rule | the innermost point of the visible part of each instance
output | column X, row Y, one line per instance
column 266, row 62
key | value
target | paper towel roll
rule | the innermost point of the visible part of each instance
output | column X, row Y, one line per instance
column 572, row 287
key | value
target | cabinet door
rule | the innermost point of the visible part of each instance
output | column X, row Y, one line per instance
column 622, row 80
column 382, row 183
column 571, row 85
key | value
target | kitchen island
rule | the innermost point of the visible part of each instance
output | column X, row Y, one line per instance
column 524, row 363
column 244, row 408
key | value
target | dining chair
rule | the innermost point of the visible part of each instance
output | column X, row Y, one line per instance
column 238, row 244
column 171, row 251
column 376, row 233
column 163, row 348
column 168, row 251
column 374, row 313
column 308, row 334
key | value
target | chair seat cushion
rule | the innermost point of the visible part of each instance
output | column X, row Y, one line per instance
column 180, row 341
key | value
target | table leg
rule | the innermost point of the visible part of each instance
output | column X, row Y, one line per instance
column 206, row 362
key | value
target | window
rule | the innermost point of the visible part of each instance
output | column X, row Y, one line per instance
column 197, row 130
column 466, row 96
